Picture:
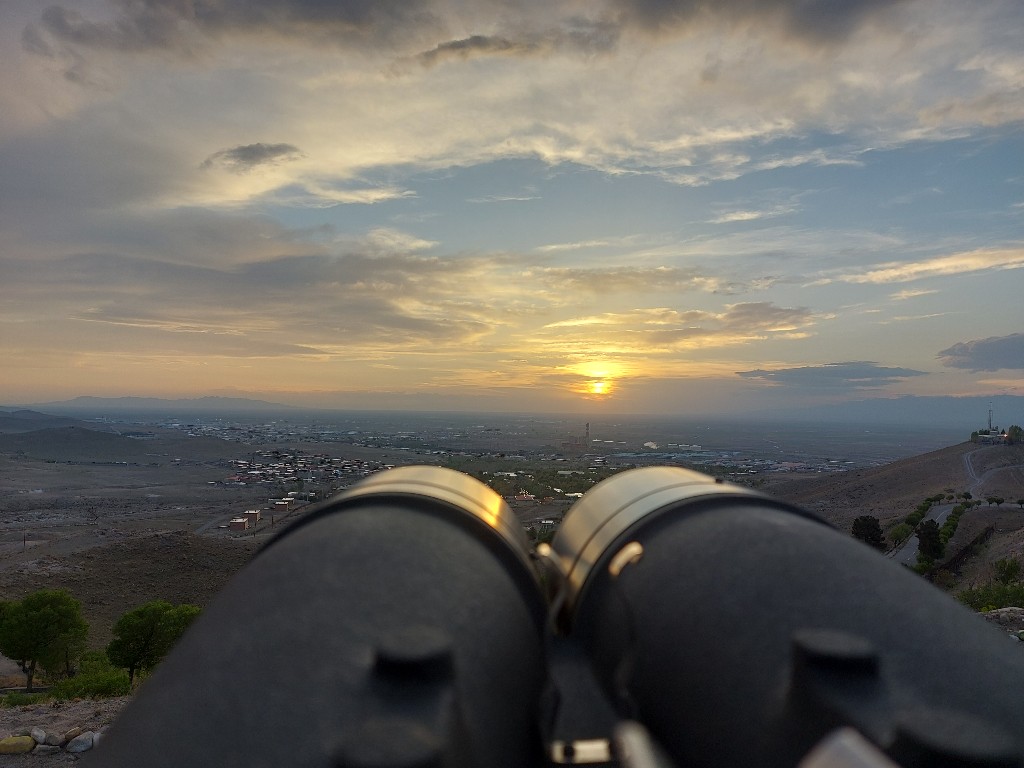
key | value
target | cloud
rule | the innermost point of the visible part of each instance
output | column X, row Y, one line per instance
column 663, row 331
column 389, row 240
column 996, row 353
column 504, row 199
column 609, row 280
column 981, row 260
column 477, row 45
column 910, row 293
column 331, row 304
column 156, row 24
column 848, row 376
column 243, row 159
column 753, row 215
column 819, row 21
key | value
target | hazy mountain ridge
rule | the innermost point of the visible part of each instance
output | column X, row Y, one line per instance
column 968, row 413
column 887, row 492
column 200, row 405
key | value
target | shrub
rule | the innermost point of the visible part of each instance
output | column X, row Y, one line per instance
column 992, row 596
column 97, row 678
column 1007, row 570
column 16, row 699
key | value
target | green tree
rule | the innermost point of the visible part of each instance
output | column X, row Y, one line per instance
column 144, row 635
column 900, row 533
column 929, row 540
column 46, row 630
column 1015, row 434
column 866, row 528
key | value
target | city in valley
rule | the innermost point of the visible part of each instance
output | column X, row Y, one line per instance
column 70, row 483
column 121, row 508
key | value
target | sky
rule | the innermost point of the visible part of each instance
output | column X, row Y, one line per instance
column 621, row 206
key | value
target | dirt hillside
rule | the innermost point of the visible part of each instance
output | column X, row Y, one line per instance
column 175, row 566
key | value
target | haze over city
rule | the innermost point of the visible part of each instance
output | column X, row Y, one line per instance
column 616, row 206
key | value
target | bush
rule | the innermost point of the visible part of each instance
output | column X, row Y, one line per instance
column 21, row 699
column 1007, row 570
column 97, row 678
column 992, row 596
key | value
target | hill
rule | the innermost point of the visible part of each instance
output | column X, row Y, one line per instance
column 887, row 492
column 892, row 491
column 87, row 445
column 13, row 421
column 181, row 407
column 165, row 562
column 169, row 565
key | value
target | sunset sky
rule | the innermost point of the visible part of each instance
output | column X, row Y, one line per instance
column 526, row 205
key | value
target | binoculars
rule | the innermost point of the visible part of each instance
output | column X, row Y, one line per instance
column 674, row 621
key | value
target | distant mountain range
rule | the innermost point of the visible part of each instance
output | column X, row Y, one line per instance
column 967, row 413
column 120, row 405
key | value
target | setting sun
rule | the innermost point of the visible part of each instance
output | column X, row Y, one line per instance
column 597, row 378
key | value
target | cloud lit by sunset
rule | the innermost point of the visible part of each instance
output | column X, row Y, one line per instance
column 523, row 206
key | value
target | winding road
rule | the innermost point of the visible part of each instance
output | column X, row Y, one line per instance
column 907, row 554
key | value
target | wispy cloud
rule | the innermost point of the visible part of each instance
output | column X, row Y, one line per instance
column 911, row 293
column 503, row 199
column 943, row 266
column 753, row 215
column 662, row 330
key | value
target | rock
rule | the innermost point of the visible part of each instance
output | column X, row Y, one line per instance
column 17, row 745
column 39, row 735
column 81, row 743
column 1008, row 618
column 46, row 749
column 69, row 735
column 54, row 740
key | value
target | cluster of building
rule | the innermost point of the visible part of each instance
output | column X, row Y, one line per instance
column 281, row 467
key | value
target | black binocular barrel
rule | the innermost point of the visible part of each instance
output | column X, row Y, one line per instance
column 741, row 631
column 398, row 626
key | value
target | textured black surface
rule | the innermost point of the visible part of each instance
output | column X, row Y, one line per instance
column 379, row 622
column 745, row 634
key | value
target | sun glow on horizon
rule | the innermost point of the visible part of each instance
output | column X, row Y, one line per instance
column 599, row 378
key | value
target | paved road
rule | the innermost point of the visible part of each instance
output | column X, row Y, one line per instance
column 907, row 554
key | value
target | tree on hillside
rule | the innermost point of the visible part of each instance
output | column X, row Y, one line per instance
column 866, row 528
column 929, row 540
column 143, row 636
column 1014, row 435
column 46, row 630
